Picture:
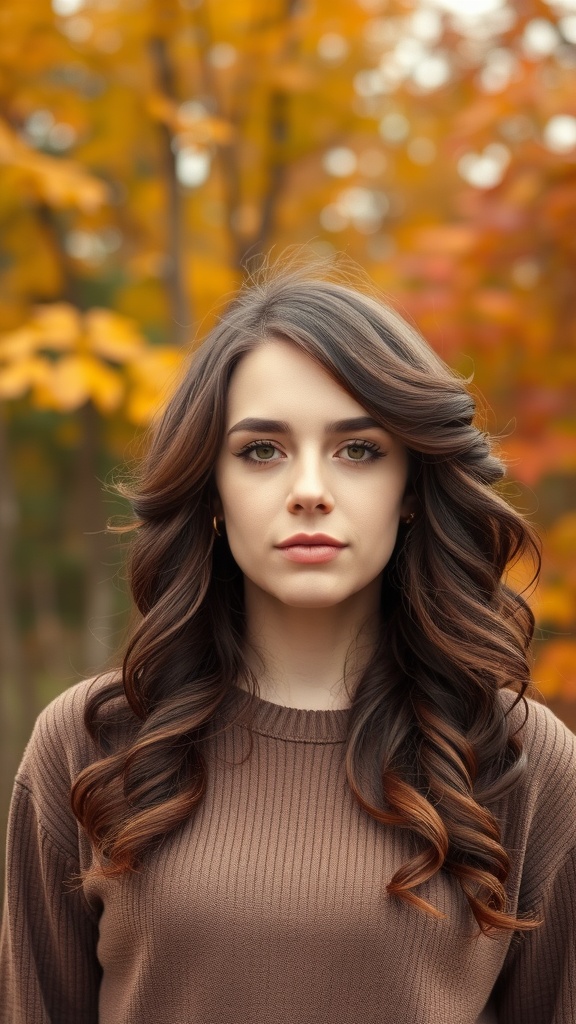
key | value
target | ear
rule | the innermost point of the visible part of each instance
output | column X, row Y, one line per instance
column 216, row 505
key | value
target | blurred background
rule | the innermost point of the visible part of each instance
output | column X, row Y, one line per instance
column 148, row 147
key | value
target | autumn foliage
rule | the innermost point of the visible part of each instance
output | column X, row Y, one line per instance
column 149, row 147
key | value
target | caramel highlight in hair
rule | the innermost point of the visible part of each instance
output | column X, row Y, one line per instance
column 429, row 743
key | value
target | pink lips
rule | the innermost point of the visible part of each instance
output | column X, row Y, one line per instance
column 310, row 548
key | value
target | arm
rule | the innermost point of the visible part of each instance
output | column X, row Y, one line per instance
column 537, row 984
column 49, row 972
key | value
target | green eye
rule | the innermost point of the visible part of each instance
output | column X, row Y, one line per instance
column 356, row 452
column 268, row 451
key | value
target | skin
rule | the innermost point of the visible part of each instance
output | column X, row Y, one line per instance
column 303, row 619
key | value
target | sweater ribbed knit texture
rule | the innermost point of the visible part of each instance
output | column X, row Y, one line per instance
column 269, row 905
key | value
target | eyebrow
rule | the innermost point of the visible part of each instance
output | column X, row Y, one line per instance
column 253, row 425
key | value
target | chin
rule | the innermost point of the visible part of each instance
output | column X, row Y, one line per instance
column 308, row 600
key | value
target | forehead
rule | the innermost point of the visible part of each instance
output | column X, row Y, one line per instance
column 277, row 379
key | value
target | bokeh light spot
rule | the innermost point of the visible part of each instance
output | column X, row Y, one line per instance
column 567, row 26
column 332, row 219
column 192, row 166
column 485, row 170
column 66, row 7
column 78, row 29
column 426, row 24
column 61, row 137
column 38, row 125
column 432, row 73
column 540, row 38
column 222, row 55
column 340, row 161
column 500, row 67
column 560, row 133
column 394, row 127
column 421, row 150
column 368, row 83
column 333, row 48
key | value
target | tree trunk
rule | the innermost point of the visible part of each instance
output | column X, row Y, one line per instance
column 17, row 699
column 99, row 572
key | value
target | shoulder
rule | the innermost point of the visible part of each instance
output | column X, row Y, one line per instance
column 539, row 812
column 549, row 745
column 60, row 744
column 58, row 749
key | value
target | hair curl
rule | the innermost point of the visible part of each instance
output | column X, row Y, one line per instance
column 428, row 732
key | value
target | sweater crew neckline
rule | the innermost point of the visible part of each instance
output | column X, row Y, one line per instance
column 286, row 723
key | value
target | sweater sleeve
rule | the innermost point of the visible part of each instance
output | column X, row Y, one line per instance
column 49, row 970
column 537, row 984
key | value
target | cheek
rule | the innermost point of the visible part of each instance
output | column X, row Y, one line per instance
column 377, row 501
column 247, row 510
column 247, row 494
column 229, row 487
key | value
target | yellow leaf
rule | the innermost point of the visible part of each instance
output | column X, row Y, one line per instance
column 112, row 336
column 66, row 386
column 146, row 264
column 161, row 108
column 156, row 367
column 64, row 184
column 106, row 386
column 190, row 127
column 10, row 144
column 59, row 182
column 154, row 375
column 59, row 325
column 204, row 130
column 19, row 377
column 292, row 77
column 74, row 379
column 141, row 407
column 144, row 300
column 19, row 343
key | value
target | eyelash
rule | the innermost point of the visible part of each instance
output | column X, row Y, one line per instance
column 368, row 446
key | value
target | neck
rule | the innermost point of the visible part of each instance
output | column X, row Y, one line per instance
column 309, row 657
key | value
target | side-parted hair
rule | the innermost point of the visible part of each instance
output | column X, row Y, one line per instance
column 429, row 741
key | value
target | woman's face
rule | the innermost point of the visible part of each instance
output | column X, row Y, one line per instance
column 295, row 465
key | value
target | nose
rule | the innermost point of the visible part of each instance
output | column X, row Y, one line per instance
column 309, row 490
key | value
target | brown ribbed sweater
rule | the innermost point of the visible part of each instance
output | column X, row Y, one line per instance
column 268, row 908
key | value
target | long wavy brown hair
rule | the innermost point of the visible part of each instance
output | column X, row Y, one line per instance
column 429, row 734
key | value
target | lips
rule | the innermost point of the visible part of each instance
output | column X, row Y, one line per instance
column 311, row 540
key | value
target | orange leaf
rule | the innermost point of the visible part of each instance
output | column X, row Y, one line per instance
column 556, row 669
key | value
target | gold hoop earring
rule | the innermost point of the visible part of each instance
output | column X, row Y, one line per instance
column 215, row 527
column 410, row 519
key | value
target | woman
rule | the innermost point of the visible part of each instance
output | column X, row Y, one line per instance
column 316, row 791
